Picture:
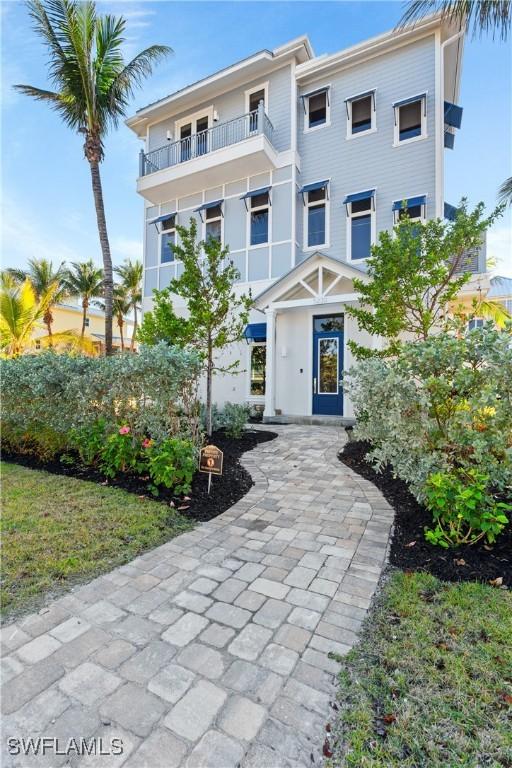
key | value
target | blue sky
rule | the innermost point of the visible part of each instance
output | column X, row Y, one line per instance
column 47, row 200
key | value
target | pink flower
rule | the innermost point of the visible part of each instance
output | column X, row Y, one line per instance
column 124, row 430
column 147, row 442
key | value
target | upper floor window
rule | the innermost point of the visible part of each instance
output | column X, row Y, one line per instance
column 167, row 239
column 315, row 197
column 413, row 207
column 260, row 205
column 410, row 118
column 360, row 224
column 361, row 114
column 316, row 109
column 213, row 223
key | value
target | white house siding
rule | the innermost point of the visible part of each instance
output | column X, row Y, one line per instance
column 371, row 161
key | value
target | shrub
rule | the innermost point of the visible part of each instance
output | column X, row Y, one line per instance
column 442, row 405
column 463, row 510
column 232, row 418
column 172, row 464
column 121, row 452
column 52, row 402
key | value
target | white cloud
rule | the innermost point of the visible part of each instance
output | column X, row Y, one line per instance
column 499, row 249
column 126, row 248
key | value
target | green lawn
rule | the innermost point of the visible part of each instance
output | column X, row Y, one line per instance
column 57, row 531
column 430, row 683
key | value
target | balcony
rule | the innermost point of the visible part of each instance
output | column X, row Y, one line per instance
column 227, row 151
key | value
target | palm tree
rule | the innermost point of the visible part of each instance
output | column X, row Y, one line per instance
column 41, row 274
column 93, row 88
column 21, row 312
column 481, row 15
column 85, row 282
column 131, row 276
column 505, row 191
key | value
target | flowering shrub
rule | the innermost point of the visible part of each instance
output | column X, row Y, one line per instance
column 442, row 405
column 172, row 464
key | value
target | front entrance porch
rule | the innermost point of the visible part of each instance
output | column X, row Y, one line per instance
column 306, row 342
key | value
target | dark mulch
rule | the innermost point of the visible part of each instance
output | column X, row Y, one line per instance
column 409, row 549
column 227, row 489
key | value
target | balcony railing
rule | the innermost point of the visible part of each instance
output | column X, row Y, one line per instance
column 203, row 143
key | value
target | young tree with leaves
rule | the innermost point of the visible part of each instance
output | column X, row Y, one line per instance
column 415, row 276
column 216, row 313
column 94, row 85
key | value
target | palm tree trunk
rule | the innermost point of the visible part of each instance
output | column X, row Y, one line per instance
column 120, row 324
column 108, row 279
column 134, row 329
column 48, row 322
column 85, row 304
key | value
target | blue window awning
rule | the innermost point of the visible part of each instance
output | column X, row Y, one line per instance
column 370, row 193
column 449, row 140
column 324, row 89
column 361, row 95
column 206, row 206
column 411, row 100
column 256, row 332
column 450, row 212
column 452, row 114
column 255, row 192
column 163, row 217
column 313, row 187
column 410, row 202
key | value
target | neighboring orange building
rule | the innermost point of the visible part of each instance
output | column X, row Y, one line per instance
column 68, row 317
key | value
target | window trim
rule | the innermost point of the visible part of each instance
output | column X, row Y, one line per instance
column 396, row 121
column 251, row 210
column 372, row 92
column 423, row 218
column 254, row 398
column 162, row 234
column 305, row 102
column 305, row 221
column 217, row 218
column 373, row 226
column 192, row 118
column 255, row 89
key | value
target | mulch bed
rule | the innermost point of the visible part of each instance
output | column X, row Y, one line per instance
column 227, row 489
column 409, row 549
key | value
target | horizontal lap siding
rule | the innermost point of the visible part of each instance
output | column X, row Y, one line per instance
column 371, row 161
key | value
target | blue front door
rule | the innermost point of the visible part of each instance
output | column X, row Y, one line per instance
column 328, row 365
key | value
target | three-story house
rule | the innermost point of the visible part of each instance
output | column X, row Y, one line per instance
column 296, row 162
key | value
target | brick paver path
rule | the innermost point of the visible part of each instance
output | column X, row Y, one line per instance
column 211, row 650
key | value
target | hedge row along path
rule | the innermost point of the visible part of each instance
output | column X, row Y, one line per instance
column 213, row 649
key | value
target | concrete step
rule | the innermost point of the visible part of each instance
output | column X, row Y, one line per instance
column 318, row 420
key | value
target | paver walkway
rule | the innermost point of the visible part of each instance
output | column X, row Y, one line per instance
column 211, row 650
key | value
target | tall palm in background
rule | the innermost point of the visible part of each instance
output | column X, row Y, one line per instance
column 131, row 280
column 45, row 280
column 479, row 16
column 84, row 281
column 93, row 88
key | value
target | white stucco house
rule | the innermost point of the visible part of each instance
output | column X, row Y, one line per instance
column 296, row 162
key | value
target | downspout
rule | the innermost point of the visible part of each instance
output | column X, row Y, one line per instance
column 440, row 118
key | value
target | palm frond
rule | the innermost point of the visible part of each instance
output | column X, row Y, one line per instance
column 505, row 191
column 132, row 76
column 495, row 311
column 478, row 16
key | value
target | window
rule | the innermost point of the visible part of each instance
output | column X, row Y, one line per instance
column 413, row 208
column 213, row 223
column 316, row 108
column 475, row 322
column 168, row 240
column 259, row 213
column 254, row 99
column 258, row 367
column 38, row 344
column 316, row 205
column 360, row 114
column 360, row 225
column 410, row 119
column 86, row 323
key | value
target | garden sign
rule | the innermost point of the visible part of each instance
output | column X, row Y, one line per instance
column 210, row 460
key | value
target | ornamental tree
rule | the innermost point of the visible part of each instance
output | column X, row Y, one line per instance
column 415, row 275
column 216, row 313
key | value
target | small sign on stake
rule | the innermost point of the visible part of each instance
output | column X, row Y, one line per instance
column 210, row 461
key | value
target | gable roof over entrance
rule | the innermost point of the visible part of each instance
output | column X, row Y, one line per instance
column 319, row 279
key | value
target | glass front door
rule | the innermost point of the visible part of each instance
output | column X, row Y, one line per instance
column 328, row 365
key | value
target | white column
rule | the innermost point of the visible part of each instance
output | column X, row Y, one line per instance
column 269, row 411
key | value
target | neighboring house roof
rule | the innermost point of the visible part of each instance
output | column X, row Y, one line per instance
column 91, row 311
column 501, row 287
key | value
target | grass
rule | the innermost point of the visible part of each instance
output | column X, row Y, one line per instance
column 430, row 683
column 57, row 531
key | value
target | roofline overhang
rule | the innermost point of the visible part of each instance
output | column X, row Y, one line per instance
column 263, row 62
column 374, row 46
column 262, row 299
